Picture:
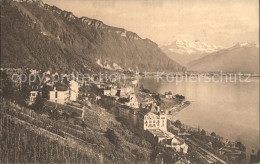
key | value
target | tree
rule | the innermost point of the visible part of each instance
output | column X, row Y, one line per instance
column 159, row 103
column 123, row 100
column 141, row 87
column 180, row 97
column 7, row 86
column 45, row 91
column 65, row 80
column 255, row 158
column 112, row 137
column 203, row 132
column 39, row 103
column 118, row 93
column 213, row 134
column 23, row 94
column 240, row 146
column 177, row 123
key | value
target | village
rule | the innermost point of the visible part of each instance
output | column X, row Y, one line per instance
column 143, row 112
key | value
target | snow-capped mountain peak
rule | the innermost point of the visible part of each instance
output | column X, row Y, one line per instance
column 184, row 51
column 245, row 44
column 191, row 47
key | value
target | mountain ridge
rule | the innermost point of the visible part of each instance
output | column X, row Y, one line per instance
column 242, row 57
column 51, row 38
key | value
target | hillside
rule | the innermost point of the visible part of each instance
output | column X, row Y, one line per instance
column 239, row 58
column 186, row 51
column 40, row 36
column 39, row 138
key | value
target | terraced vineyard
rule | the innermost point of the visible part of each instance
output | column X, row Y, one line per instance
column 29, row 137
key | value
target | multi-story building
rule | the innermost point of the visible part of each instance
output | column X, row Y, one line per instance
column 155, row 121
column 151, row 118
column 74, row 90
column 34, row 90
column 133, row 102
column 60, row 94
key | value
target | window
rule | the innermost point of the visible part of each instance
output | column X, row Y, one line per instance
column 33, row 94
column 56, row 94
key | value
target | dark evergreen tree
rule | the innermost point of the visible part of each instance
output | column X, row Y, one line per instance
column 39, row 103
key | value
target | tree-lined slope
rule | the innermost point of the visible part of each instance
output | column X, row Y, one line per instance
column 41, row 36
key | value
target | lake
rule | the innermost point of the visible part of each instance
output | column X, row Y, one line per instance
column 230, row 109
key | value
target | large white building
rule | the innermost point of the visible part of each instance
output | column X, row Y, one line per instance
column 155, row 121
column 154, row 124
column 74, row 90
column 59, row 95
column 62, row 94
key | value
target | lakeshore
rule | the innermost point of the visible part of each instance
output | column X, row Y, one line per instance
column 219, row 107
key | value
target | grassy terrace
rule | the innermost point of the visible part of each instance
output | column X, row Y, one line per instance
column 168, row 103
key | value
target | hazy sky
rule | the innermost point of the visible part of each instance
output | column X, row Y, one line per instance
column 220, row 22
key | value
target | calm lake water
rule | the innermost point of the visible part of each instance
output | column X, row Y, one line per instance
column 230, row 109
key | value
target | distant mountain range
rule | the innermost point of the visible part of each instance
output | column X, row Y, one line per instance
column 202, row 57
column 187, row 51
column 40, row 36
column 242, row 57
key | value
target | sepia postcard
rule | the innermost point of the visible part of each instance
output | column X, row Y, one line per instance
column 129, row 81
